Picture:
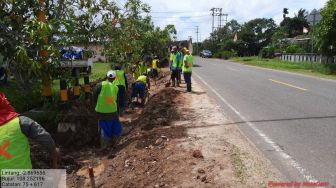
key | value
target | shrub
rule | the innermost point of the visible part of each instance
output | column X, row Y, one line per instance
column 224, row 54
column 292, row 49
column 267, row 52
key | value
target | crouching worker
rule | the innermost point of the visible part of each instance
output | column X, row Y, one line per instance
column 14, row 133
column 140, row 88
column 106, row 97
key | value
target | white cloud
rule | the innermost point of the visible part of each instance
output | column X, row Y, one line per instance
column 188, row 14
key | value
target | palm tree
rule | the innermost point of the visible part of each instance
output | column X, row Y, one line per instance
column 302, row 13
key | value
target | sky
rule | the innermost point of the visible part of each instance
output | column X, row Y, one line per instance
column 186, row 15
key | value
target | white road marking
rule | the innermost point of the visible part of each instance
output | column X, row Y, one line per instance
column 304, row 172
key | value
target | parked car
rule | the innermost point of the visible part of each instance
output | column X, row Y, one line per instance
column 206, row 54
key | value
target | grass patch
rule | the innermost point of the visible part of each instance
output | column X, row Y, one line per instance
column 309, row 68
column 239, row 167
column 99, row 70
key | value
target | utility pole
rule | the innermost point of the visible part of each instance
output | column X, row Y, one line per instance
column 217, row 12
column 220, row 18
column 313, row 13
column 213, row 18
column 197, row 39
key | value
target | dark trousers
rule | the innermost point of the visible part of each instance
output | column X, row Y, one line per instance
column 174, row 76
column 121, row 96
column 187, row 79
column 155, row 73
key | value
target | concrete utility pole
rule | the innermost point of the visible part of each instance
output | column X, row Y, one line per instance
column 197, row 39
column 313, row 13
column 213, row 18
column 217, row 12
column 220, row 18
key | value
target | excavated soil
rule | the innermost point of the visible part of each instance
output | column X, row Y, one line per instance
column 177, row 140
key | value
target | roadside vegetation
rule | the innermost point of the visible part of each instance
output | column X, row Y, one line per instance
column 309, row 68
column 262, row 37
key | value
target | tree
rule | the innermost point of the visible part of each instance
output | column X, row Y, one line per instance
column 325, row 31
column 136, row 36
column 257, row 34
column 24, row 37
column 293, row 26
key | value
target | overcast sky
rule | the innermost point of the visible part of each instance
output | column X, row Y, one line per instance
column 187, row 14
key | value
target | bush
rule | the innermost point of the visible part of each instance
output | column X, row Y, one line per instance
column 293, row 49
column 267, row 52
column 224, row 54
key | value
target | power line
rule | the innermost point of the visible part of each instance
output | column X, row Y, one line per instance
column 181, row 16
column 176, row 12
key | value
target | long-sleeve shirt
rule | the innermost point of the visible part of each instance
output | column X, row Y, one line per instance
column 35, row 131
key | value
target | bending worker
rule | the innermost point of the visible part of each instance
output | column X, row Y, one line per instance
column 106, row 97
column 121, row 82
column 139, row 88
column 14, row 133
column 187, row 68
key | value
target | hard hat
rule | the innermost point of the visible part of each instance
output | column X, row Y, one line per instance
column 111, row 74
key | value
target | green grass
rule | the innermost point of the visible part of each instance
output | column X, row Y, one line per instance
column 308, row 68
column 99, row 70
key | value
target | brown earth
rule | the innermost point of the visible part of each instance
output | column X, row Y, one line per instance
column 178, row 140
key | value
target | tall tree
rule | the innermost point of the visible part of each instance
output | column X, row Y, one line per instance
column 325, row 31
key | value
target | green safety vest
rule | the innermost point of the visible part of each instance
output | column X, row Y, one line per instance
column 154, row 63
column 14, row 147
column 120, row 78
column 143, row 68
column 190, row 63
column 174, row 60
column 107, row 99
column 143, row 79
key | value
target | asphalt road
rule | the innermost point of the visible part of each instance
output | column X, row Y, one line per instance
column 291, row 118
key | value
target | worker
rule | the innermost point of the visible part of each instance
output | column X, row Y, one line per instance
column 14, row 133
column 139, row 88
column 187, row 68
column 179, row 58
column 135, row 70
column 155, row 62
column 174, row 66
column 106, row 98
column 143, row 67
column 121, row 82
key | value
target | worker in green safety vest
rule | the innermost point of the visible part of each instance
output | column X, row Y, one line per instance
column 14, row 133
column 179, row 58
column 121, row 82
column 187, row 68
column 174, row 66
column 106, row 97
column 140, row 87
column 155, row 71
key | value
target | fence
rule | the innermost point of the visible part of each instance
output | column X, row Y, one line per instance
column 308, row 58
